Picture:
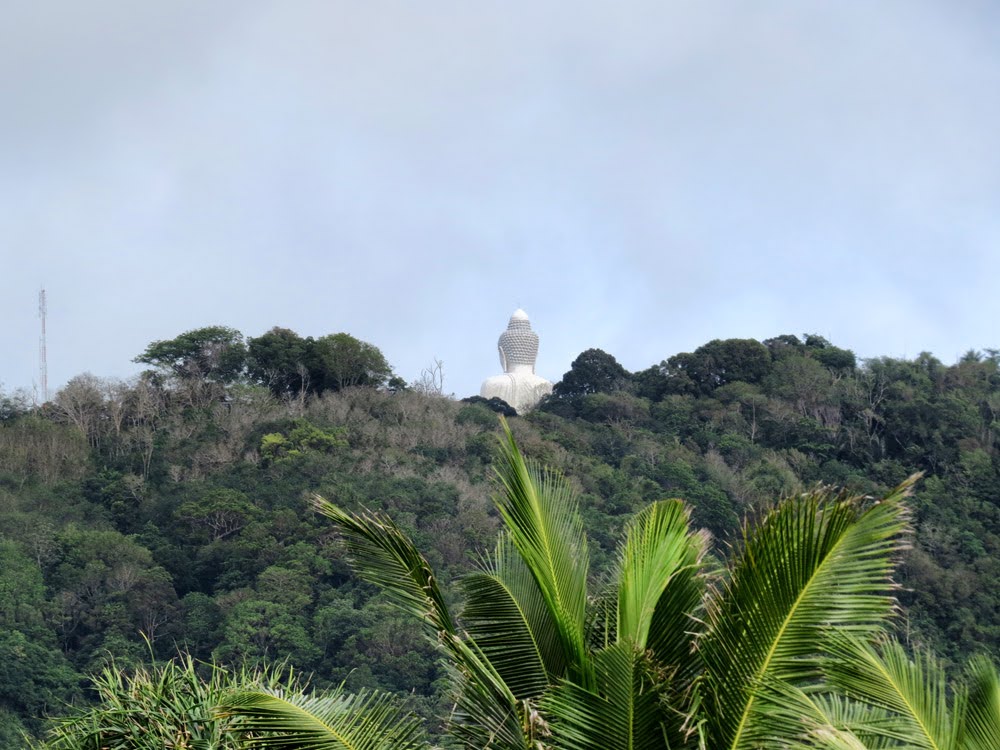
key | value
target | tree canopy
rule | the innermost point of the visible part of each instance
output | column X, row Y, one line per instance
column 294, row 366
column 214, row 353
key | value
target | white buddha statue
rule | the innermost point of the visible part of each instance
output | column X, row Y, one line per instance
column 519, row 386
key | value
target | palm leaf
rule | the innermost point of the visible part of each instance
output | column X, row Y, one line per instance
column 816, row 563
column 540, row 511
column 383, row 555
column 828, row 738
column 602, row 614
column 623, row 713
column 982, row 718
column 658, row 550
column 915, row 690
column 811, row 718
column 364, row 721
column 660, row 591
column 872, row 725
column 486, row 714
column 506, row 616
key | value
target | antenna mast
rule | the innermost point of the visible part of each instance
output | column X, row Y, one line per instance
column 43, row 365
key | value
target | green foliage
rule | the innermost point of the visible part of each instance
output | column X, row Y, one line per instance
column 165, row 706
column 218, row 514
column 982, row 715
column 13, row 405
column 120, row 494
column 495, row 404
column 35, row 680
column 292, row 366
column 301, row 437
column 717, row 363
column 280, row 359
column 149, row 506
column 638, row 669
column 182, row 704
column 259, row 631
column 35, row 449
column 812, row 568
column 365, row 721
column 594, row 371
column 215, row 353
column 343, row 361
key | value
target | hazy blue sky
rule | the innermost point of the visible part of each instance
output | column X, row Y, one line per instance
column 639, row 176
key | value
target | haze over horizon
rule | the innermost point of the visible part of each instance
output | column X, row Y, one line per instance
column 640, row 177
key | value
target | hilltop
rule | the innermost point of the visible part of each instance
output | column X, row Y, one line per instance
column 171, row 511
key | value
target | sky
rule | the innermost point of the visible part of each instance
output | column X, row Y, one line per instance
column 640, row 176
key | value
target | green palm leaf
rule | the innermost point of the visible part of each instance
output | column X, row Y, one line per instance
column 800, row 718
column 817, row 563
column 982, row 718
column 658, row 551
column 363, row 721
column 511, row 625
column 916, row 690
column 874, row 726
column 662, row 559
column 166, row 705
column 540, row 511
column 486, row 714
column 383, row 555
column 828, row 738
column 623, row 713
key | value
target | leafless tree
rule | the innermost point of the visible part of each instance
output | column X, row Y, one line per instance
column 431, row 380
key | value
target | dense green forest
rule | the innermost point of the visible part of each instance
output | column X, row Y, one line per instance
column 171, row 512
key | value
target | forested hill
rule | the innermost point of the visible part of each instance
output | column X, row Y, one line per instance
column 171, row 511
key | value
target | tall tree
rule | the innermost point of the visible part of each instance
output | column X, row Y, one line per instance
column 279, row 359
column 214, row 353
column 716, row 363
column 340, row 361
column 594, row 371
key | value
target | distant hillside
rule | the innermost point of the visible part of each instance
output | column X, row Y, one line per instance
column 173, row 508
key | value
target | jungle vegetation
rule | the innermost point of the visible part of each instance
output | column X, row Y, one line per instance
column 172, row 513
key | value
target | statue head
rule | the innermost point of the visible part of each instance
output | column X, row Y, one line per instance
column 518, row 345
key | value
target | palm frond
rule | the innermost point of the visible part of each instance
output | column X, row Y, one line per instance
column 982, row 717
column 540, row 511
column 876, row 727
column 658, row 551
column 506, row 616
column 829, row 738
column 338, row 721
column 791, row 717
column 817, row 563
column 602, row 614
column 915, row 690
column 486, row 714
column 624, row 712
column 383, row 555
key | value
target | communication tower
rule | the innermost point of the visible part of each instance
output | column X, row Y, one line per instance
column 43, row 365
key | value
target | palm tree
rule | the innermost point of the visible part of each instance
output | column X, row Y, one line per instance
column 785, row 648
